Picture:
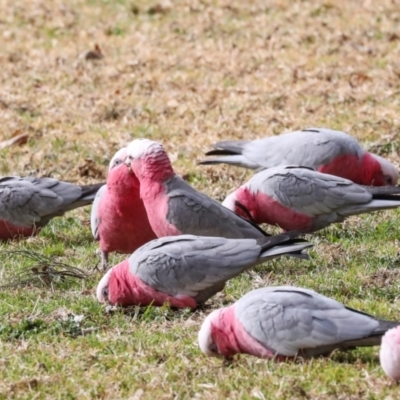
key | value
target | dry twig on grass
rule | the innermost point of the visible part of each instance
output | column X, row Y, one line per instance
column 45, row 271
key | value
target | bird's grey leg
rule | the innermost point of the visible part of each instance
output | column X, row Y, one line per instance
column 104, row 260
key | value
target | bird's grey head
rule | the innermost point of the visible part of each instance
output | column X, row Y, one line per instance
column 206, row 343
column 118, row 158
column 102, row 288
column 389, row 171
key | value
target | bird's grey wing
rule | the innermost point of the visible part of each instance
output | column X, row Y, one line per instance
column 24, row 203
column 189, row 265
column 195, row 213
column 94, row 215
column 307, row 191
column 311, row 147
column 287, row 320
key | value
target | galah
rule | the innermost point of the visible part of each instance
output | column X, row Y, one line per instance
column 29, row 203
column 173, row 206
column 187, row 270
column 119, row 219
column 298, row 198
column 325, row 150
column 286, row 322
column 389, row 354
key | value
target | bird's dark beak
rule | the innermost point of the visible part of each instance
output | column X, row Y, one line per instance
column 105, row 294
column 226, row 361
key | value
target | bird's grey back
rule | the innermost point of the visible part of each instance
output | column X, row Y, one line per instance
column 299, row 188
column 191, row 265
column 286, row 319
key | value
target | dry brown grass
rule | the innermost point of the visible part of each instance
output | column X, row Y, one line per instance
column 190, row 73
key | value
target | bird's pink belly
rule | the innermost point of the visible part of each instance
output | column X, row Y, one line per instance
column 347, row 166
column 272, row 212
column 124, row 228
column 126, row 238
column 10, row 231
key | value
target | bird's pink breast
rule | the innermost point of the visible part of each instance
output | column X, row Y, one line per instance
column 152, row 171
column 265, row 209
column 127, row 289
column 156, row 203
column 231, row 337
column 124, row 225
column 10, row 231
column 364, row 171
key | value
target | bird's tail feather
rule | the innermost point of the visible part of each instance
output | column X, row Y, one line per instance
column 285, row 243
column 374, row 205
column 89, row 191
column 294, row 249
column 228, row 147
column 87, row 197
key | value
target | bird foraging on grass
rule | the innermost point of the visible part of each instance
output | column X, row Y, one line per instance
column 325, row 150
column 285, row 322
column 27, row 204
column 299, row 198
column 187, row 270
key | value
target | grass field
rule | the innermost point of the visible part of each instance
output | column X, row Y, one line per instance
column 189, row 73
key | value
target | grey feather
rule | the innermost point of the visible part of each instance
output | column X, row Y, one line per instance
column 199, row 266
column 34, row 201
column 293, row 321
column 195, row 213
column 237, row 160
column 383, row 192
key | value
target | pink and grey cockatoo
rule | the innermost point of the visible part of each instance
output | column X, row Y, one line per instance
column 389, row 354
column 29, row 203
column 187, row 270
column 298, row 198
column 328, row 151
column 286, row 322
column 119, row 219
column 173, row 206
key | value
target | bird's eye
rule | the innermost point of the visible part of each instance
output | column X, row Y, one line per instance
column 115, row 163
column 388, row 180
column 105, row 293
